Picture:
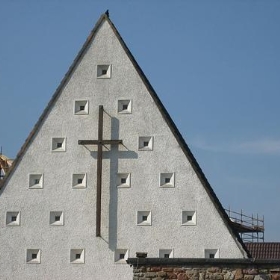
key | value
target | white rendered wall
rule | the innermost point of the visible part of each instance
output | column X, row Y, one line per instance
column 119, row 205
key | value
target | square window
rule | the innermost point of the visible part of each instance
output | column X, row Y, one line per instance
column 123, row 180
column 121, row 255
column 33, row 256
column 167, row 180
column 188, row 218
column 104, row 71
column 145, row 143
column 144, row 218
column 56, row 218
column 58, row 144
column 35, row 181
column 165, row 253
column 211, row 253
column 124, row 106
column 77, row 256
column 81, row 107
column 13, row 218
column 79, row 181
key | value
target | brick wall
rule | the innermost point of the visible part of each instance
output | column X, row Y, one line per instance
column 205, row 269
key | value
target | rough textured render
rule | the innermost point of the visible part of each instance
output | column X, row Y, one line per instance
column 155, row 198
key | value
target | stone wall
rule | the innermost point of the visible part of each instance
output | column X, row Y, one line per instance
column 203, row 269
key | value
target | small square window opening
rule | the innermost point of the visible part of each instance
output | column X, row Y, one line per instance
column 58, row 144
column 81, row 107
column 13, row 218
column 211, row 256
column 56, row 218
column 121, row 255
column 104, row 71
column 77, row 256
column 123, row 180
column 79, row 181
column 145, row 143
column 144, row 218
column 124, row 106
column 188, row 218
column 35, row 181
column 34, row 256
column 166, row 253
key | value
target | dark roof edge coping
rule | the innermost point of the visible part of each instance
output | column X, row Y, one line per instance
column 200, row 261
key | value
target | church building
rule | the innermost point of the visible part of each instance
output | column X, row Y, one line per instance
column 104, row 174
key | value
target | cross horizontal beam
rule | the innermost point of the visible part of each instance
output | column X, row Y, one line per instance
column 100, row 142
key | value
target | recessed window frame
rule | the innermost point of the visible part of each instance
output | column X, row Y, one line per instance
column 164, row 176
column 122, row 103
column 32, row 180
column 53, row 218
column 10, row 218
column 186, row 221
column 56, row 141
column 73, row 256
column 101, row 68
column 144, row 218
column 209, row 253
column 77, row 107
column 126, row 177
column 118, row 256
column 30, row 259
column 142, row 140
column 75, row 180
column 163, row 252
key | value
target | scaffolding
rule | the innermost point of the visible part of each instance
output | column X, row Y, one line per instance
column 250, row 228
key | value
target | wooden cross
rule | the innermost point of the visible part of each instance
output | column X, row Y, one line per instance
column 100, row 143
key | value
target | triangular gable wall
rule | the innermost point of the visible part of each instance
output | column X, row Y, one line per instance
column 116, row 199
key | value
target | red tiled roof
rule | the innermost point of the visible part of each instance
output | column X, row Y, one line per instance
column 264, row 250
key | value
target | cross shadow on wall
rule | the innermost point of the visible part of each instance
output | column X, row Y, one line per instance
column 113, row 153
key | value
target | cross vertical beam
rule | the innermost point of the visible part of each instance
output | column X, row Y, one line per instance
column 99, row 172
column 99, row 142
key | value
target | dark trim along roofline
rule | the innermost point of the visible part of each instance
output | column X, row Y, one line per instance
column 201, row 262
column 163, row 111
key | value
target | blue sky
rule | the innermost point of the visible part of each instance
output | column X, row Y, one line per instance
column 214, row 64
